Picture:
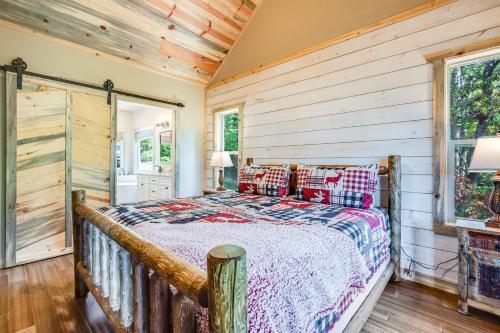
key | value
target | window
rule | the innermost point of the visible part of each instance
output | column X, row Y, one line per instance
column 471, row 110
column 165, row 147
column 144, row 150
column 227, row 131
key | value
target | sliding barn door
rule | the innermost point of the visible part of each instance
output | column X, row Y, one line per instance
column 58, row 138
column 91, row 155
column 39, row 173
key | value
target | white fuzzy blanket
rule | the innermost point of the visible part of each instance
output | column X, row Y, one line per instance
column 296, row 273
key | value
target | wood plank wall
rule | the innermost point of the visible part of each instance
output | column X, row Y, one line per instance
column 359, row 101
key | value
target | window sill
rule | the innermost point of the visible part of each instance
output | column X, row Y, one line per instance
column 447, row 229
column 450, row 228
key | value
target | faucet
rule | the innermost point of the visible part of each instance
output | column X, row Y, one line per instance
column 121, row 171
column 160, row 169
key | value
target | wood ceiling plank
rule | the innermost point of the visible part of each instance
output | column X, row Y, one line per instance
column 188, row 57
column 187, row 37
column 215, row 14
column 203, row 27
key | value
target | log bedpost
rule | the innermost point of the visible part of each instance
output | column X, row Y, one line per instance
column 78, row 197
column 395, row 212
column 227, row 289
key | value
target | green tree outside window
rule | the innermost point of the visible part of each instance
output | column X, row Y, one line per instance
column 230, row 129
column 474, row 106
column 146, row 150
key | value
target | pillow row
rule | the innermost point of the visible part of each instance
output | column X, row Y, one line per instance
column 270, row 181
column 350, row 187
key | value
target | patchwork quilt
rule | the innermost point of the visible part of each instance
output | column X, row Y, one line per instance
column 306, row 262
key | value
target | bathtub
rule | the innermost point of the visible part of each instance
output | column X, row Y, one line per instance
column 126, row 189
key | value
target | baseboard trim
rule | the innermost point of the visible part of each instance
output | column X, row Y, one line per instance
column 433, row 282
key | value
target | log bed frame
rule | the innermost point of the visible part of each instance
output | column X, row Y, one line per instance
column 129, row 276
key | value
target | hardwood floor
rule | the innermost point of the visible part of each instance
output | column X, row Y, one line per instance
column 38, row 297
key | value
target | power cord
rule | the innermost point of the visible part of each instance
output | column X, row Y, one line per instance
column 413, row 264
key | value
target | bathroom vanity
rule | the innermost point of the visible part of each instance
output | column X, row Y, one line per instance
column 154, row 187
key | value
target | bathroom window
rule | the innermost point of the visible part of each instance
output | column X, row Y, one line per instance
column 144, row 150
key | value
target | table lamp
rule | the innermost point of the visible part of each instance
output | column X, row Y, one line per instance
column 221, row 159
column 486, row 158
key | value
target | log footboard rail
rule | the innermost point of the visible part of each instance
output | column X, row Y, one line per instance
column 131, row 278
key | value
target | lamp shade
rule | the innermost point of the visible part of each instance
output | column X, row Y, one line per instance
column 221, row 159
column 486, row 156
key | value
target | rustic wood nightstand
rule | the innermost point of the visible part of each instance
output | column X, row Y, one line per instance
column 478, row 267
column 214, row 191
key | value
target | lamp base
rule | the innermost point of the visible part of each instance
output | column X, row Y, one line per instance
column 221, row 180
column 494, row 203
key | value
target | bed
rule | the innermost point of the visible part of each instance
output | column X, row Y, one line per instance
column 292, row 266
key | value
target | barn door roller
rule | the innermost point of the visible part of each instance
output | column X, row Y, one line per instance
column 109, row 85
column 18, row 66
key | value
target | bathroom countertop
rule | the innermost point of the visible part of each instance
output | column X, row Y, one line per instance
column 143, row 173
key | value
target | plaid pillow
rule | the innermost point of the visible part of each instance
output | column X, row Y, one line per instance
column 270, row 181
column 350, row 187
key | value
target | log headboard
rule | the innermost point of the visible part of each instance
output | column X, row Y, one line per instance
column 393, row 172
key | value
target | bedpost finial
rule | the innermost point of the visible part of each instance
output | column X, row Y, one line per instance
column 227, row 289
column 78, row 197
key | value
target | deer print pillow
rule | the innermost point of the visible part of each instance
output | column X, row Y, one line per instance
column 270, row 181
column 350, row 187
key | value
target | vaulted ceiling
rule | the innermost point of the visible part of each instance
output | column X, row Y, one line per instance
column 188, row 38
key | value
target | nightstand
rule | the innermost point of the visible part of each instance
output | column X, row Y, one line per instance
column 214, row 191
column 478, row 267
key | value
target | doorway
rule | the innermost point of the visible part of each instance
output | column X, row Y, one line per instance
column 144, row 151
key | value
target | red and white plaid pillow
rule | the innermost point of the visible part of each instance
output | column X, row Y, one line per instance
column 270, row 181
column 350, row 187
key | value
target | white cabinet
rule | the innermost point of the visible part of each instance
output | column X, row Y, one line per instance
column 142, row 191
column 154, row 187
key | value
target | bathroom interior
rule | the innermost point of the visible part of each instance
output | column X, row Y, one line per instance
column 145, row 152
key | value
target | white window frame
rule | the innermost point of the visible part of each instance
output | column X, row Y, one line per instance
column 144, row 166
column 444, row 147
column 218, row 131
column 157, row 146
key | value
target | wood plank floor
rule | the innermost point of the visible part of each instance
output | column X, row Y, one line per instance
column 38, row 297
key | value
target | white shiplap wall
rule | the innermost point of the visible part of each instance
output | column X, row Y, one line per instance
column 357, row 102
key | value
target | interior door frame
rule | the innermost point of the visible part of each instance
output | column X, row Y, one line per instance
column 114, row 114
